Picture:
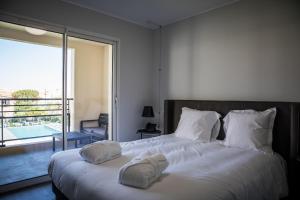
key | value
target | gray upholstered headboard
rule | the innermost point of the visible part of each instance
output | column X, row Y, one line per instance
column 286, row 126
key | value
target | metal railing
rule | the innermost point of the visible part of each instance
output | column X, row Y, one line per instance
column 14, row 109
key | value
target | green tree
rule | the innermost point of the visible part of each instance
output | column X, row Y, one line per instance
column 26, row 110
column 25, row 94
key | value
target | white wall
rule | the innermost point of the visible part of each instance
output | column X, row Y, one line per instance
column 249, row 50
column 135, row 78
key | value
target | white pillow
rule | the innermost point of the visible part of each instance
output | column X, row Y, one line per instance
column 196, row 124
column 250, row 129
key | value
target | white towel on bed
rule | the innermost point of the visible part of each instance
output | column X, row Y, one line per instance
column 101, row 151
column 142, row 171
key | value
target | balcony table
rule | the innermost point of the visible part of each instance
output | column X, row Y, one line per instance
column 71, row 136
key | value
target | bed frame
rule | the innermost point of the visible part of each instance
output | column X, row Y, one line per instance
column 285, row 132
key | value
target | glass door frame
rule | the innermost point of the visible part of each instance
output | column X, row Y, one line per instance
column 115, row 43
column 72, row 32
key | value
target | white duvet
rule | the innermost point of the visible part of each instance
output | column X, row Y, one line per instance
column 196, row 171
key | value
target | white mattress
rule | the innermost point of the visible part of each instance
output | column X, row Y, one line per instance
column 196, row 171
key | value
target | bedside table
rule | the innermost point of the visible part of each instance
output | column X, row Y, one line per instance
column 144, row 132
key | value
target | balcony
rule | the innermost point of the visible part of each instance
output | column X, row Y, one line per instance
column 27, row 130
column 34, row 63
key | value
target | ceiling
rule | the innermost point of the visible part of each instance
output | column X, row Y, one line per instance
column 151, row 13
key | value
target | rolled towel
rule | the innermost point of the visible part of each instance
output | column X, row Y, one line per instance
column 141, row 172
column 101, row 151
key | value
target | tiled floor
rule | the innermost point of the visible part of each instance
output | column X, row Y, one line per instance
column 24, row 165
column 39, row 192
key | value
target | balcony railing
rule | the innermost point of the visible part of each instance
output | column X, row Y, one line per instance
column 28, row 110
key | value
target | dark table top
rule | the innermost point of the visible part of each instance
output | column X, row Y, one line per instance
column 148, row 132
column 73, row 135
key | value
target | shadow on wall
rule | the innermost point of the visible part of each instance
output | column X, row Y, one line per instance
column 244, row 51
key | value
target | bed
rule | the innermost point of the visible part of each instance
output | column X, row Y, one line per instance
column 197, row 170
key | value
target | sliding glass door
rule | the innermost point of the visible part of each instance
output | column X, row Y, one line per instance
column 90, row 78
column 31, row 100
column 55, row 94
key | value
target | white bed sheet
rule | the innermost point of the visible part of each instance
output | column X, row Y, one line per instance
column 196, row 171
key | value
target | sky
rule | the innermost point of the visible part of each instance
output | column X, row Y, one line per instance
column 30, row 66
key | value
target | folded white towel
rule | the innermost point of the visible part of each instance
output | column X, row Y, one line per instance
column 101, row 151
column 142, row 171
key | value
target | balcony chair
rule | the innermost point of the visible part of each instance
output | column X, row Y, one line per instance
column 99, row 132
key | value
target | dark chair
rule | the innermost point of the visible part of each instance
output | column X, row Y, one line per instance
column 99, row 132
